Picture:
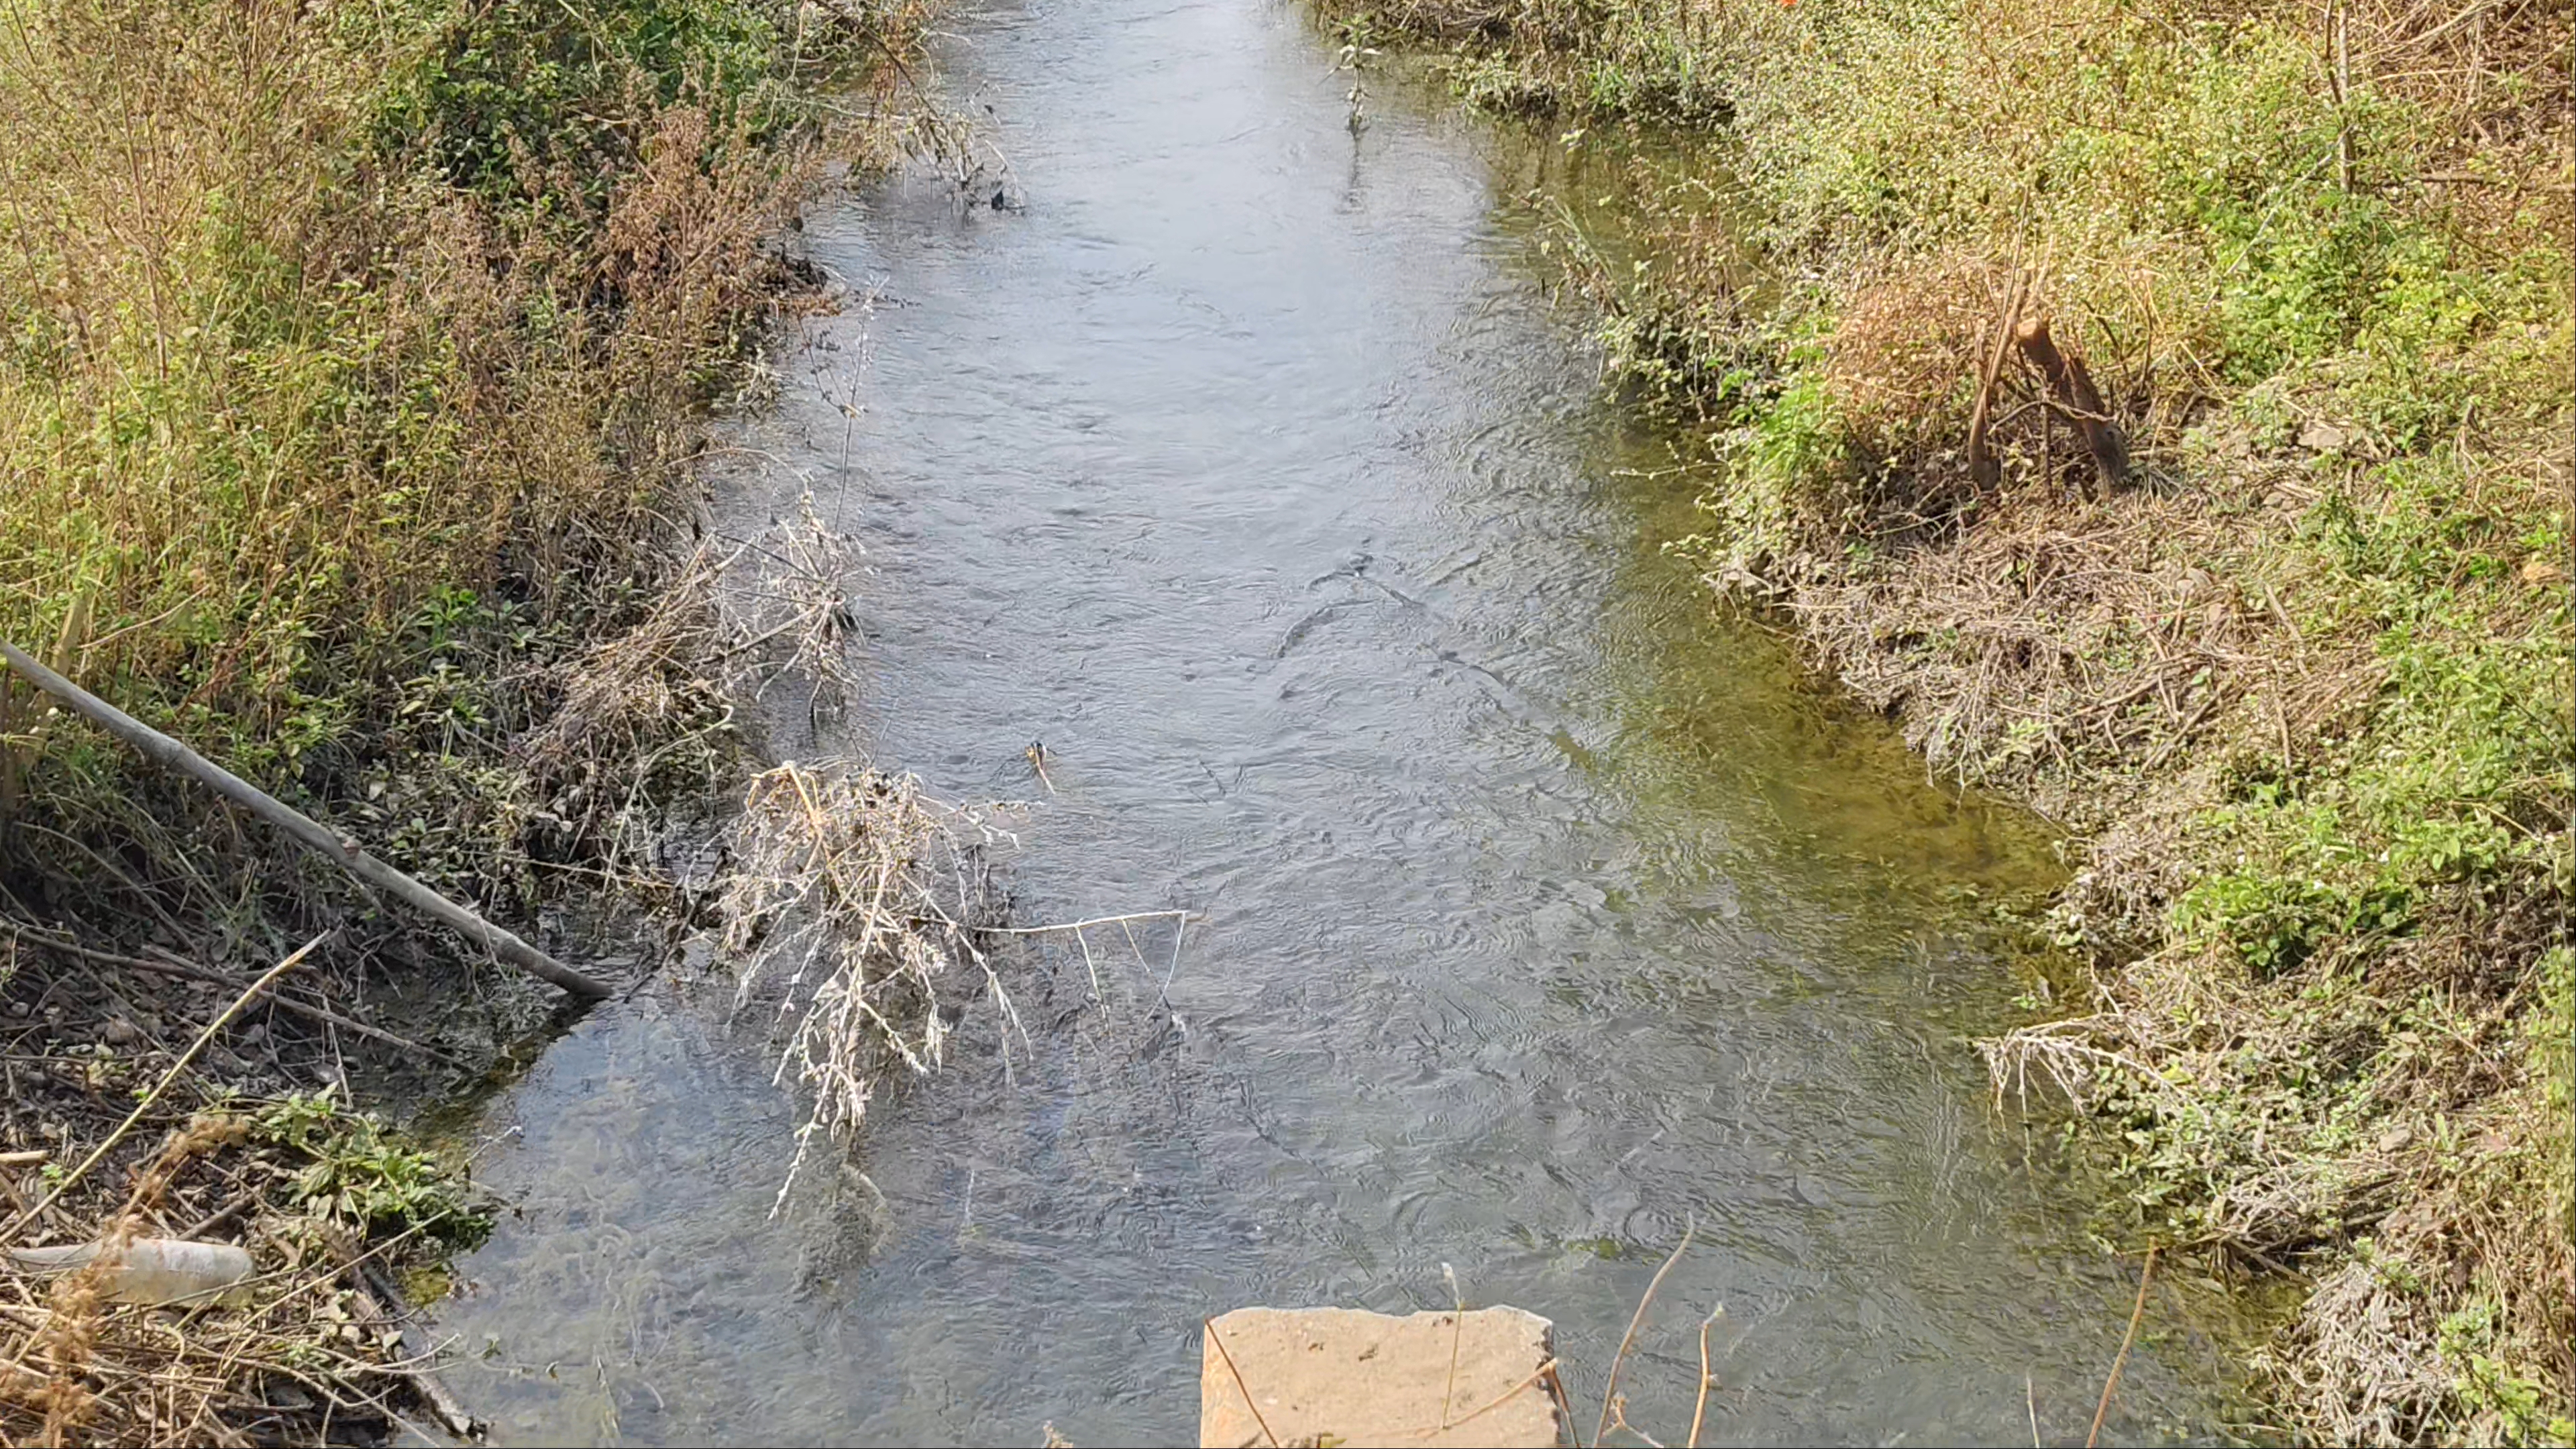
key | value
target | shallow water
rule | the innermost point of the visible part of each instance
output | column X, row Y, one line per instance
column 1244, row 462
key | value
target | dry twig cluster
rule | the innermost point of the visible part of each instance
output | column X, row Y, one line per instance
column 856, row 904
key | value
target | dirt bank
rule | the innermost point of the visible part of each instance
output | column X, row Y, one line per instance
column 2297, row 677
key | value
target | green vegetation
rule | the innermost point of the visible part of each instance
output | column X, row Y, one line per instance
column 353, row 362
column 2301, row 686
column 356, row 1172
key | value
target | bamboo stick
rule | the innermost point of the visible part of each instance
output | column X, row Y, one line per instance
column 346, row 854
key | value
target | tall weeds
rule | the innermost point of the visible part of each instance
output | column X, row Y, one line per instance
column 354, row 360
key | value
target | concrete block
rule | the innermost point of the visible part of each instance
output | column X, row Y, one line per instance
column 1327, row 1376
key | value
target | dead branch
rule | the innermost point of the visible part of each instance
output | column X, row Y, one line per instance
column 1982, row 462
column 2072, row 386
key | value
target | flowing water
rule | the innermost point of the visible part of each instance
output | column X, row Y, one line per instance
column 1242, row 460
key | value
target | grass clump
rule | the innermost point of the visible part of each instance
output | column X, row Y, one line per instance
column 2301, row 684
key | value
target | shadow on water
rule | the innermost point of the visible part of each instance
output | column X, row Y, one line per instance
column 1545, row 910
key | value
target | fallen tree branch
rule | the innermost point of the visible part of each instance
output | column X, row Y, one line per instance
column 307, row 832
column 2072, row 385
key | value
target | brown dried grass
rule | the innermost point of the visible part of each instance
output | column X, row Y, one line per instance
column 298, row 1362
column 855, row 907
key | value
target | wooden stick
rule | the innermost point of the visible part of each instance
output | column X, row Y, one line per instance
column 346, row 854
column 2076, row 396
column 181, row 1065
column 1610, row 1390
column 2110, row 1385
column 1982, row 463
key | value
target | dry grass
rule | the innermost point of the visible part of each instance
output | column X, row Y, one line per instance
column 349, row 415
column 305, row 1352
column 858, row 907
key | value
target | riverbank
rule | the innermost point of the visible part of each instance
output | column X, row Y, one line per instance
column 2297, row 680
column 357, row 369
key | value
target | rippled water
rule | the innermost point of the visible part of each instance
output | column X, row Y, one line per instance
column 1243, row 461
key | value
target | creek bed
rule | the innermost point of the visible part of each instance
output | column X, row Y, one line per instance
column 1241, row 459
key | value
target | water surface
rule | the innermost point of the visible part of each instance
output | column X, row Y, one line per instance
column 1242, row 460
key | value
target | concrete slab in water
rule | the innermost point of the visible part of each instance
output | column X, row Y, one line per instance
column 1342, row 1376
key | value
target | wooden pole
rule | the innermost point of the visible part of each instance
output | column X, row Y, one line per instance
column 307, row 832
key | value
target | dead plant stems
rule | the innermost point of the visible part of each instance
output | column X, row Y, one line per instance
column 2111, row 1385
column 1699, row 1406
column 152, row 1097
column 1457, row 1332
column 1084, row 924
column 1446, row 1423
column 1610, row 1390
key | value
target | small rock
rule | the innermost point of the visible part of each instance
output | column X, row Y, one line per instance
column 2320, row 436
column 18, row 1009
column 2396, row 1139
column 2542, row 571
column 120, row 1032
column 253, row 1034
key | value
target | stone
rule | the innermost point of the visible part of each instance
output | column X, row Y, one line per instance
column 1322, row 1376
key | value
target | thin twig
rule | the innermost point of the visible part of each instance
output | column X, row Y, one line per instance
column 1078, row 925
column 2112, row 1384
column 1446, row 1423
column 1564, row 1402
column 1208, row 1325
column 1699, row 1407
column 153, row 1096
column 1457, row 1331
column 1610, row 1389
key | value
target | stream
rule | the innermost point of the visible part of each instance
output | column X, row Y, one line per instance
column 1545, row 911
